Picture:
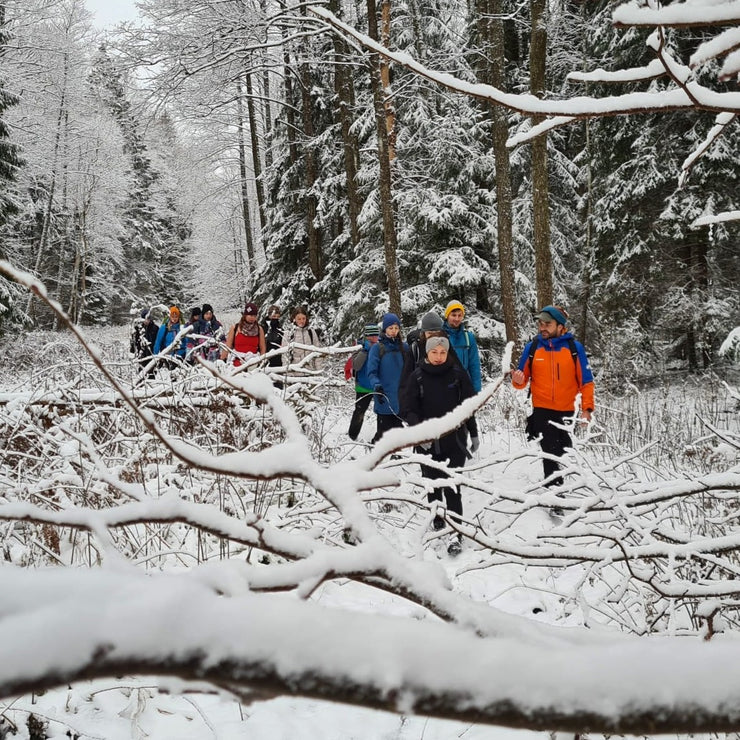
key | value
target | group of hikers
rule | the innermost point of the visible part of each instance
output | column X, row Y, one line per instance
column 206, row 338
column 410, row 381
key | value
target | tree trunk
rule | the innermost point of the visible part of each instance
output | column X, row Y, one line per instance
column 540, row 186
column 345, row 98
column 266, row 107
column 246, row 215
column 588, row 267
column 256, row 153
column 390, row 242
column 491, row 31
column 385, row 77
column 46, row 224
column 312, row 235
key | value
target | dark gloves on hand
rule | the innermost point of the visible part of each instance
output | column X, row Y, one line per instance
column 474, row 444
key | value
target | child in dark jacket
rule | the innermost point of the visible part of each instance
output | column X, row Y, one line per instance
column 436, row 387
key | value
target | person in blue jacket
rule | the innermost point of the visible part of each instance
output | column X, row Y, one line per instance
column 166, row 336
column 356, row 368
column 384, row 366
column 462, row 340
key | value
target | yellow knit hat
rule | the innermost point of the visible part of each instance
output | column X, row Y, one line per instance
column 452, row 305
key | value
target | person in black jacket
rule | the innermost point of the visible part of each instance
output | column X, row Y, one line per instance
column 434, row 388
column 274, row 335
column 431, row 323
column 142, row 339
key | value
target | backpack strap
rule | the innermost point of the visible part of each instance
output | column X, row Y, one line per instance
column 419, row 377
column 574, row 354
column 532, row 350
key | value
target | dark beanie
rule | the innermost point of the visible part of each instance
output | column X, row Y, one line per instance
column 389, row 319
column 431, row 322
column 207, row 307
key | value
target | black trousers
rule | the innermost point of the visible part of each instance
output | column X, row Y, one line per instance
column 449, row 449
column 386, row 422
column 554, row 441
column 362, row 401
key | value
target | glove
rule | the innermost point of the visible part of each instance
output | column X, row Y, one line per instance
column 474, row 444
column 378, row 388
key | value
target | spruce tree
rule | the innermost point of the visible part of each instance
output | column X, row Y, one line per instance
column 11, row 312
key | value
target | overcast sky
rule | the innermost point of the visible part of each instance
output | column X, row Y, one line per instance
column 109, row 12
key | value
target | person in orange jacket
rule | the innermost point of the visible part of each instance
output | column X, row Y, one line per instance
column 557, row 369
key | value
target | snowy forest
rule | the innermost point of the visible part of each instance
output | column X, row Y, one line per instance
column 206, row 553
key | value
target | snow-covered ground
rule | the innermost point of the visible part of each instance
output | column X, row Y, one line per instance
column 521, row 561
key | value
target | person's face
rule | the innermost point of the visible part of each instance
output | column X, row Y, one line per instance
column 455, row 318
column 392, row 331
column 548, row 329
column 300, row 320
column 208, row 315
column 275, row 315
column 437, row 355
column 372, row 339
column 250, row 318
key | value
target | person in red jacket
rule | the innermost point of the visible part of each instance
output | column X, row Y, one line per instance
column 246, row 337
column 557, row 369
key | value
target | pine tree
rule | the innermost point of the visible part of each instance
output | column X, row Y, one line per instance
column 11, row 312
column 155, row 236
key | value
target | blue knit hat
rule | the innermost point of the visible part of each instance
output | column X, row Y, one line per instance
column 548, row 313
column 389, row 319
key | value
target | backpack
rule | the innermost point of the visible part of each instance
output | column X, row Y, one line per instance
column 571, row 347
column 359, row 358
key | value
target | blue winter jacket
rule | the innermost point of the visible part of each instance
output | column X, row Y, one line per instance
column 385, row 372
column 166, row 336
column 466, row 349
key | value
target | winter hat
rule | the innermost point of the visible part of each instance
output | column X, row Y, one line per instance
column 144, row 313
column 548, row 313
column 195, row 311
column 371, row 330
column 251, row 309
column 206, row 308
column 452, row 305
column 389, row 319
column 431, row 322
column 436, row 341
column 174, row 313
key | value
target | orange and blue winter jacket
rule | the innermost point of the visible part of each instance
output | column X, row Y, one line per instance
column 556, row 378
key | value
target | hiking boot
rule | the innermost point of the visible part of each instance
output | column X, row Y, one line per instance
column 438, row 523
column 454, row 546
